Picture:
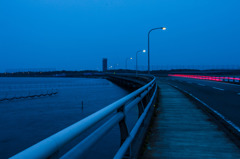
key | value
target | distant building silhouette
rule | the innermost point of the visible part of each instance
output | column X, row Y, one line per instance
column 104, row 65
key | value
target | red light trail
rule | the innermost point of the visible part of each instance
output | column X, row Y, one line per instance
column 211, row 78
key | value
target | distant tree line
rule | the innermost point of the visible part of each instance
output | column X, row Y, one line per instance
column 93, row 73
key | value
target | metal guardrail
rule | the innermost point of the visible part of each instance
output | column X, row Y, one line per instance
column 48, row 148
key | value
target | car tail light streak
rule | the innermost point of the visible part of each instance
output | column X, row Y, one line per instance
column 211, row 78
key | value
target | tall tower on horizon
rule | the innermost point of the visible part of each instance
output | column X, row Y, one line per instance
column 104, row 64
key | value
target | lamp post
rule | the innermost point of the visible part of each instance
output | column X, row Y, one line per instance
column 162, row 28
column 137, row 60
column 127, row 61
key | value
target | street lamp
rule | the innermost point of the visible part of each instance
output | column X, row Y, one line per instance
column 127, row 61
column 137, row 60
column 162, row 28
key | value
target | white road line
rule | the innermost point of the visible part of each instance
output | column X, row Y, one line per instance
column 201, row 84
column 225, row 83
column 218, row 88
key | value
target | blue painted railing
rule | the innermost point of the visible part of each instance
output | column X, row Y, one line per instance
column 143, row 97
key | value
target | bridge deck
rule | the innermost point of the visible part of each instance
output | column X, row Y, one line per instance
column 181, row 130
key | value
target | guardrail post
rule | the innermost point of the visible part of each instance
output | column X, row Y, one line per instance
column 145, row 101
column 140, row 108
column 54, row 155
column 124, row 131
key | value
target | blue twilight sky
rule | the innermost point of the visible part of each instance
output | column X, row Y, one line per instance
column 77, row 34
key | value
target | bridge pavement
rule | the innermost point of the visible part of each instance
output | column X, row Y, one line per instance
column 181, row 130
column 222, row 97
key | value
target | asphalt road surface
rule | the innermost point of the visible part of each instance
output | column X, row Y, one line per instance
column 222, row 97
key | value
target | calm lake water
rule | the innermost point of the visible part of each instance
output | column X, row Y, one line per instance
column 24, row 122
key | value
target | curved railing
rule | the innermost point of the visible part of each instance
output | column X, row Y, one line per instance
column 143, row 97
